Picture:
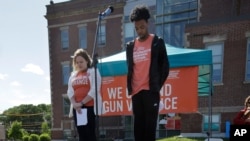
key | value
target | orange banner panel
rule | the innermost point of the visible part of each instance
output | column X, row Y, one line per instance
column 178, row 95
column 115, row 98
column 180, row 92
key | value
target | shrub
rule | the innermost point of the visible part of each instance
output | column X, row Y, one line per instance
column 44, row 137
column 34, row 137
column 26, row 138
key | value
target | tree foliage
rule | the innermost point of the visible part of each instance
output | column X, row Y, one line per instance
column 45, row 128
column 15, row 131
column 29, row 115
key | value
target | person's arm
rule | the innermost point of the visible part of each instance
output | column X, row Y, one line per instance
column 92, row 92
column 70, row 94
column 129, row 60
column 163, row 61
column 76, row 105
column 239, row 119
column 86, row 99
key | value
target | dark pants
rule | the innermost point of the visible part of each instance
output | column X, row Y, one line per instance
column 86, row 132
column 145, row 110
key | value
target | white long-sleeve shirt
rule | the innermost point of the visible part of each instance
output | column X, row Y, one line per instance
column 92, row 91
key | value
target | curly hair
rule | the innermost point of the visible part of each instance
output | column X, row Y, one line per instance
column 140, row 12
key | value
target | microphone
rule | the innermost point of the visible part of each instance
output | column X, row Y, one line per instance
column 107, row 12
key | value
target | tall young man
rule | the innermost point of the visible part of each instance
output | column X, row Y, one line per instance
column 148, row 69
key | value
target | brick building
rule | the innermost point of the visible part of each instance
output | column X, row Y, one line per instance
column 72, row 25
column 222, row 26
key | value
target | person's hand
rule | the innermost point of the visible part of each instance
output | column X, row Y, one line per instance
column 247, row 120
column 247, row 112
column 77, row 107
column 79, row 110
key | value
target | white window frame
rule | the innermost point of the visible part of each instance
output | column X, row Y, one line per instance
column 215, row 122
column 218, row 55
column 213, row 40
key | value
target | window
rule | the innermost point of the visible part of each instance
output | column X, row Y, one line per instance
column 171, row 18
column 102, row 36
column 65, row 72
column 83, row 37
column 215, row 123
column 247, row 77
column 128, row 122
column 129, row 32
column 64, row 38
column 217, row 52
column 66, row 105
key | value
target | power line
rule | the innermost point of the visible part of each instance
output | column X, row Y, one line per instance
column 31, row 125
column 24, row 114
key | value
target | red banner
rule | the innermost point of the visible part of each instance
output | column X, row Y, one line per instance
column 178, row 95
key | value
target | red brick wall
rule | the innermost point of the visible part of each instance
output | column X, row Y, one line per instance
column 71, row 14
column 189, row 123
column 234, row 58
column 217, row 18
column 219, row 9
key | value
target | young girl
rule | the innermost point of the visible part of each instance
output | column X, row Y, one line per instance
column 82, row 94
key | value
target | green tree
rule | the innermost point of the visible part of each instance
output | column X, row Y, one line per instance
column 45, row 128
column 31, row 116
column 15, row 131
column 46, row 113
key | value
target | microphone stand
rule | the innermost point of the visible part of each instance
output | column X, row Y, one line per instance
column 95, row 62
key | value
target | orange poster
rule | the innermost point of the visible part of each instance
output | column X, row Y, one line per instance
column 178, row 95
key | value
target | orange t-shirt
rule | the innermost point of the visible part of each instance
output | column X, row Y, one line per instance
column 142, row 58
column 81, row 86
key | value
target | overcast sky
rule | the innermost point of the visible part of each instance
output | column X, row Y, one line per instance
column 24, row 59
